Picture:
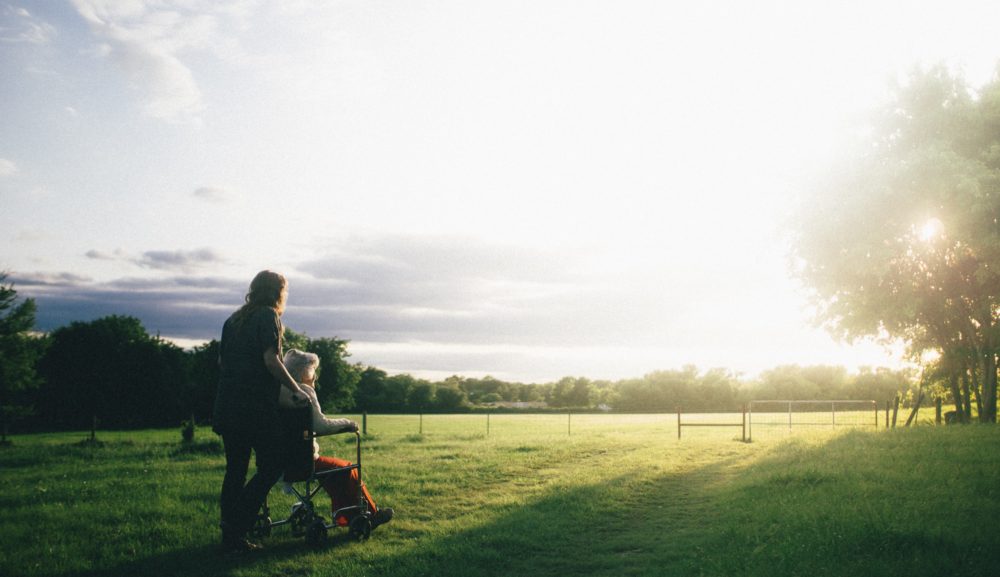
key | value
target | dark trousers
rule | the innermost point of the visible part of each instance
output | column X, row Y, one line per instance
column 240, row 501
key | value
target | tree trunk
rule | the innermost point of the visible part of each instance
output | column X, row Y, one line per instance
column 916, row 406
column 956, row 394
column 966, row 398
column 989, row 410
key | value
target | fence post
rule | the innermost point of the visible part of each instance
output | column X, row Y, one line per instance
column 487, row 424
column 364, row 423
column 833, row 414
column 569, row 422
column 744, row 423
column 937, row 411
column 421, row 423
column 887, row 413
column 678, row 423
column 789, row 415
column 895, row 411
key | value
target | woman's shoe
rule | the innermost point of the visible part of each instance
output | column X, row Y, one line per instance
column 241, row 545
column 382, row 516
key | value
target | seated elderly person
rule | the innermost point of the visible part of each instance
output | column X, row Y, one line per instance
column 342, row 488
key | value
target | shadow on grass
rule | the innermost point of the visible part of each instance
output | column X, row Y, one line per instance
column 904, row 503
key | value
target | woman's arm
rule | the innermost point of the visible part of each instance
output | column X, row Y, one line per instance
column 277, row 369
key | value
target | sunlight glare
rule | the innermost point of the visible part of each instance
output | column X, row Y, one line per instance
column 931, row 230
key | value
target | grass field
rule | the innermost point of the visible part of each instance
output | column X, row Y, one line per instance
column 537, row 495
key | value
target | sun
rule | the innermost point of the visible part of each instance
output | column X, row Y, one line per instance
column 931, row 230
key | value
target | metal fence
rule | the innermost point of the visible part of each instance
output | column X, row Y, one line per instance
column 788, row 415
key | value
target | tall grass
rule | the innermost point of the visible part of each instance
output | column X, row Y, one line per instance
column 533, row 495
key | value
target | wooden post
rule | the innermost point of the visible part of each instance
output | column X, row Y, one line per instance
column 678, row 423
column 569, row 422
column 744, row 423
column 487, row 424
column 937, row 411
column 895, row 411
column 421, row 423
column 887, row 403
column 364, row 423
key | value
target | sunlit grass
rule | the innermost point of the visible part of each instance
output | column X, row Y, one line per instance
column 537, row 495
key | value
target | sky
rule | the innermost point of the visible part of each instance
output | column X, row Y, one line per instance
column 527, row 190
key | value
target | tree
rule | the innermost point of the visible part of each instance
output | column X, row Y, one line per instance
column 203, row 366
column 18, row 354
column 902, row 241
column 337, row 380
column 371, row 390
column 448, row 397
column 112, row 370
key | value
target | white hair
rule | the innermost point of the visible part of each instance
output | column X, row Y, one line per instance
column 300, row 363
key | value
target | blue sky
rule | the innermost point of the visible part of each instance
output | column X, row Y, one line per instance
column 523, row 189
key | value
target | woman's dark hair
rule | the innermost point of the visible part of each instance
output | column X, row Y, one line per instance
column 267, row 289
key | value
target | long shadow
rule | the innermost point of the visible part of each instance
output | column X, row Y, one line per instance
column 832, row 508
column 543, row 537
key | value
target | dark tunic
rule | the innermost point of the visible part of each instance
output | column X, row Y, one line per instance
column 248, row 393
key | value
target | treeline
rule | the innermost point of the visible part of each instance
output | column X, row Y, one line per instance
column 111, row 373
column 112, row 370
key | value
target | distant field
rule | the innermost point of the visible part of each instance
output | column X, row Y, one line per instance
column 535, row 495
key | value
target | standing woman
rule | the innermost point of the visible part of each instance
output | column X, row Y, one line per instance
column 246, row 406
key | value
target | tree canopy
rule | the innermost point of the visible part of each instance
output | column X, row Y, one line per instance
column 18, row 354
column 902, row 239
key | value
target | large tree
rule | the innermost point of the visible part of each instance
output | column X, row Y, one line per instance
column 110, row 369
column 902, row 239
column 337, row 380
column 18, row 353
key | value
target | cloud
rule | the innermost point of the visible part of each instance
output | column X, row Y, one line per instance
column 213, row 194
column 7, row 167
column 179, row 259
column 448, row 303
column 148, row 44
column 182, row 307
column 171, row 260
column 21, row 27
column 118, row 254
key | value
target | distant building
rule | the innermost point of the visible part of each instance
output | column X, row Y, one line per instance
column 517, row 405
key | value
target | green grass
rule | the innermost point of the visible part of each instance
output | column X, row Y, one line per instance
column 538, row 495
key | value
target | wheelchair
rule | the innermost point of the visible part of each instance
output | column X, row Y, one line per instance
column 304, row 518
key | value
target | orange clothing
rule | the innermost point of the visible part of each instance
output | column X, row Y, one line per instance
column 343, row 487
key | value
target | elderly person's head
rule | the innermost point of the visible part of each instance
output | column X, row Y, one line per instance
column 302, row 366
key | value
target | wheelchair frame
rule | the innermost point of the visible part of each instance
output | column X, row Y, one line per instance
column 304, row 518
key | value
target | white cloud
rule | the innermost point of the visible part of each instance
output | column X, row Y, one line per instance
column 19, row 26
column 7, row 167
column 154, row 45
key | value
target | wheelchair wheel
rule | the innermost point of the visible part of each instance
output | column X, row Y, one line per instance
column 261, row 527
column 316, row 532
column 300, row 521
column 360, row 527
